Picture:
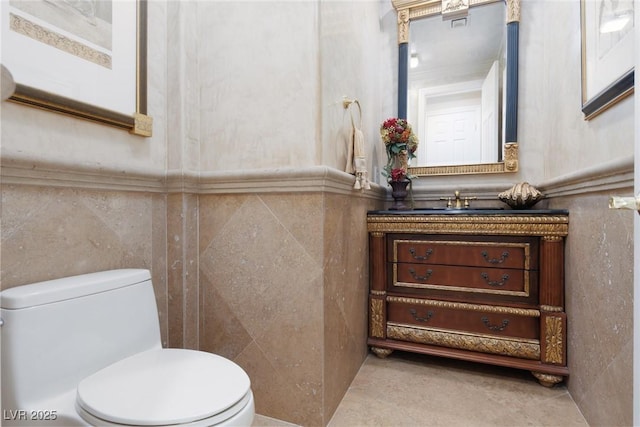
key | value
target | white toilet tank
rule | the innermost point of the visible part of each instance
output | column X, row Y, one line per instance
column 57, row 332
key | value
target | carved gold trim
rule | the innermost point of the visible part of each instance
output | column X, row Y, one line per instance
column 547, row 380
column 466, row 306
column 418, row 8
column 142, row 125
column 511, row 157
column 464, row 333
column 381, row 352
column 554, row 352
column 379, row 293
column 527, row 349
column 458, row 169
column 403, row 26
column 510, row 164
column 423, row 8
column 44, row 35
column 552, row 238
column 518, row 225
column 513, row 11
column 454, row 7
column 376, row 318
column 551, row 308
column 377, row 234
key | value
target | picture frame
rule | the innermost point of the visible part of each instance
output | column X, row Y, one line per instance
column 607, row 32
column 86, row 59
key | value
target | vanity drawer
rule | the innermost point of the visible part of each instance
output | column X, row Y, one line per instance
column 474, row 319
column 462, row 252
column 478, row 286
column 482, row 280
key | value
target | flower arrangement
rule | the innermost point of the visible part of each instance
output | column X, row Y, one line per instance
column 401, row 144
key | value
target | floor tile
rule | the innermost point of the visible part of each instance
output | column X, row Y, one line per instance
column 417, row 390
column 411, row 390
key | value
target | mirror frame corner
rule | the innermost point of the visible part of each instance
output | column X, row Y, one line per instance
column 408, row 10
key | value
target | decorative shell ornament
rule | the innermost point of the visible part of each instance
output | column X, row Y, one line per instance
column 521, row 196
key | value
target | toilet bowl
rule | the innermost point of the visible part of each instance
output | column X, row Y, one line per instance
column 86, row 350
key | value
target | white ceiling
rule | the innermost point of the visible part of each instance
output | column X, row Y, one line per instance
column 450, row 55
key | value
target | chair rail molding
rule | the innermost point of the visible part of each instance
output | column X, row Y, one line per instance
column 314, row 179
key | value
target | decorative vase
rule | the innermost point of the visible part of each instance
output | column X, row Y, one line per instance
column 399, row 193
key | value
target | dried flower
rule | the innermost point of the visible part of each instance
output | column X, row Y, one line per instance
column 400, row 144
column 398, row 174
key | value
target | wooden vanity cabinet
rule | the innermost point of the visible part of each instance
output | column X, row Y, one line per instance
column 483, row 286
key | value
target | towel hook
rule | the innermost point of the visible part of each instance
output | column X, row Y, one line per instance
column 346, row 102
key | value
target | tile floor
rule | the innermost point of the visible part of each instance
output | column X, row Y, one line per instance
column 416, row 390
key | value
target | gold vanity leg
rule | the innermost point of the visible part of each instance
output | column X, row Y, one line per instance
column 547, row 380
column 553, row 319
column 377, row 292
column 381, row 352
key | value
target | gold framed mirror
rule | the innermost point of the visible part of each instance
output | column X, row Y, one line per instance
column 458, row 70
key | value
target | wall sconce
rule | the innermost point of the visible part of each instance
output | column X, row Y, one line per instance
column 414, row 61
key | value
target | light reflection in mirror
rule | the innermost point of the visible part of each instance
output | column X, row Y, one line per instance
column 456, row 94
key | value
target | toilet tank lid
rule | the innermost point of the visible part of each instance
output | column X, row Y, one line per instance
column 56, row 290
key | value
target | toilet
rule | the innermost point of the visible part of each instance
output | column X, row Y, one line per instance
column 86, row 350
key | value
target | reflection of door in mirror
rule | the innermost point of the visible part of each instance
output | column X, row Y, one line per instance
column 456, row 86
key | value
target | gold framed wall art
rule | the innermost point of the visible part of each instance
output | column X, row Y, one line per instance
column 82, row 58
column 607, row 30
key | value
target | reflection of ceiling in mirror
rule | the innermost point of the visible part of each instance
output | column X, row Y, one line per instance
column 450, row 52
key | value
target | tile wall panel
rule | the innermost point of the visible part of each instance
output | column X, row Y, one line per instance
column 283, row 293
column 599, row 305
column 261, row 296
column 346, row 289
column 182, row 271
column 48, row 233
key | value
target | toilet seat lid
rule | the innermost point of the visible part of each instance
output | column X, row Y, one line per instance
column 164, row 386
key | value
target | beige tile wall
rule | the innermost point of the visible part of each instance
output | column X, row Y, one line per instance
column 49, row 232
column 599, row 304
column 182, row 270
column 283, row 292
column 265, row 271
column 276, row 281
column 346, row 284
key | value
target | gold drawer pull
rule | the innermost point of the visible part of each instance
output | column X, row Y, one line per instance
column 421, row 319
column 426, row 256
column 502, row 327
column 500, row 260
column 485, row 276
column 421, row 278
